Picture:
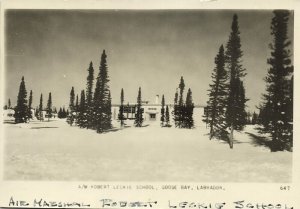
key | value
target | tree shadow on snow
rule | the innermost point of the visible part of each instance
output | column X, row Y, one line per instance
column 259, row 140
column 115, row 129
column 42, row 127
column 238, row 142
column 9, row 122
column 112, row 130
column 225, row 140
column 124, row 127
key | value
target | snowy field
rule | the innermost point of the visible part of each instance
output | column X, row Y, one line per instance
column 55, row 151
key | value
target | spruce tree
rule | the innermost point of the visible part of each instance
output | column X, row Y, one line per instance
column 254, row 119
column 30, row 106
column 77, row 103
column 277, row 107
column 205, row 115
column 167, row 116
column 54, row 111
column 138, row 122
column 127, row 107
column 76, row 109
column 216, row 104
column 81, row 119
column 59, row 115
column 64, row 112
column 265, row 113
column 49, row 107
column 89, row 96
column 97, row 109
column 102, row 103
column 249, row 115
column 289, row 109
column 175, row 110
column 180, row 111
column 162, row 111
column 235, row 112
column 241, row 101
column 121, row 109
column 36, row 113
column 188, row 110
column 41, row 115
column 21, row 110
column 107, row 113
column 72, row 113
column 9, row 104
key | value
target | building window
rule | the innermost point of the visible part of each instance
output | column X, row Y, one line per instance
column 132, row 109
column 152, row 116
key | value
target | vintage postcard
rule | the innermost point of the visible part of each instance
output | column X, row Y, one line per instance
column 161, row 104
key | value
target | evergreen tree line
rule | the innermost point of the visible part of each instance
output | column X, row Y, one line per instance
column 165, row 113
column 226, row 106
column 62, row 113
column 225, row 110
column 121, row 116
column 93, row 109
column 252, row 118
column 187, row 111
column 183, row 110
column 276, row 109
column 23, row 109
column 138, row 120
column 49, row 109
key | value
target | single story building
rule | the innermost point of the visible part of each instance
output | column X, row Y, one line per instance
column 151, row 111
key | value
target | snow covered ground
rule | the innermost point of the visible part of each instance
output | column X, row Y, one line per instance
column 55, row 151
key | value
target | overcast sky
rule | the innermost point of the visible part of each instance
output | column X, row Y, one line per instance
column 152, row 49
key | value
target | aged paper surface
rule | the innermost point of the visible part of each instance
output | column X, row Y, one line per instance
column 148, row 44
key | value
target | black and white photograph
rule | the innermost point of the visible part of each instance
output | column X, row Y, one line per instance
column 162, row 104
column 148, row 95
